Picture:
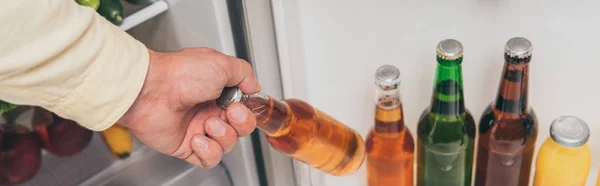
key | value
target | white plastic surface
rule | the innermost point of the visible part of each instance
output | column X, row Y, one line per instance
column 592, row 178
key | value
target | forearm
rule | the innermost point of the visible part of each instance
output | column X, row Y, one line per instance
column 69, row 60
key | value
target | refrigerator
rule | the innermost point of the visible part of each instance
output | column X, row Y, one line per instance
column 326, row 53
column 234, row 27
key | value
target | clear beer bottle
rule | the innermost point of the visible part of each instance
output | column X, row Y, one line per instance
column 390, row 145
column 297, row 129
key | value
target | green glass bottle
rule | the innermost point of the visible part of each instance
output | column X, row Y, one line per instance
column 446, row 129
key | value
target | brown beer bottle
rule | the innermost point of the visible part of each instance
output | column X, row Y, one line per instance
column 390, row 145
column 295, row 128
column 508, row 127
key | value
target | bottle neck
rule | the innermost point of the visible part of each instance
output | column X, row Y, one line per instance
column 389, row 117
column 272, row 116
column 448, row 97
column 512, row 94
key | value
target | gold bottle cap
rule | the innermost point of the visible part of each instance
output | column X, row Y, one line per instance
column 449, row 49
column 518, row 47
column 569, row 131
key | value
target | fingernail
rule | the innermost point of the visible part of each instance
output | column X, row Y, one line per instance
column 217, row 127
column 200, row 142
column 238, row 114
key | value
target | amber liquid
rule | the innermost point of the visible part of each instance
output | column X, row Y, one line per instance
column 508, row 132
column 390, row 148
column 295, row 128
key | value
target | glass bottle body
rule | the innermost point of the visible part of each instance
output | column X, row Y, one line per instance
column 445, row 149
column 446, row 131
column 390, row 145
column 505, row 149
column 508, row 130
column 303, row 132
column 560, row 165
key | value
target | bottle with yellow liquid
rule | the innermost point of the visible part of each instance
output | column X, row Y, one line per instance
column 564, row 158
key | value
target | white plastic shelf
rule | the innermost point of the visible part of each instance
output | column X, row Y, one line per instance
column 95, row 165
column 143, row 14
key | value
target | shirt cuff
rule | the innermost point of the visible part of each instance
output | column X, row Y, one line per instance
column 112, row 84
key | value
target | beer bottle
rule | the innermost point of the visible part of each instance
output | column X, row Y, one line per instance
column 293, row 127
column 564, row 158
column 446, row 129
column 508, row 127
column 390, row 145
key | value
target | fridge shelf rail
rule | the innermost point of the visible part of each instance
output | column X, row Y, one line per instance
column 143, row 14
column 96, row 165
column 148, row 167
column 94, row 158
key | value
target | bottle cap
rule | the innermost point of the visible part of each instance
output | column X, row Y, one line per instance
column 518, row 47
column 229, row 96
column 449, row 49
column 387, row 75
column 569, row 131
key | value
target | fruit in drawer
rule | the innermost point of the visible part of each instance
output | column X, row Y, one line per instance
column 64, row 137
column 90, row 3
column 20, row 156
column 112, row 10
column 119, row 140
column 5, row 107
column 20, row 151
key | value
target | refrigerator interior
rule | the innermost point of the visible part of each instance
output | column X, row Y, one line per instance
column 329, row 52
column 165, row 25
column 325, row 52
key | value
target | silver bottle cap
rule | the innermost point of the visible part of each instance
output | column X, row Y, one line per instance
column 518, row 47
column 229, row 96
column 450, row 49
column 387, row 76
column 569, row 131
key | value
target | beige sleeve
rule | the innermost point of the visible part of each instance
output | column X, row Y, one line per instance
column 68, row 59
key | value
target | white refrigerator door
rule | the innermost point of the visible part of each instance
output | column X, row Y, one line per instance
column 329, row 51
column 257, row 44
column 272, row 48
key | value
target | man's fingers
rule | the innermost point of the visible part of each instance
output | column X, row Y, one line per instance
column 240, row 73
column 207, row 152
column 241, row 119
column 221, row 132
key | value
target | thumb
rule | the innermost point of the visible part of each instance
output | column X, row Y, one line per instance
column 239, row 73
column 199, row 76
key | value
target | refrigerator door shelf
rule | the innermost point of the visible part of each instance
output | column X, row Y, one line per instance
column 95, row 165
column 136, row 14
column 83, row 165
column 152, row 168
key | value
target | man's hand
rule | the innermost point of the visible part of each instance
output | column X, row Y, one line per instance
column 175, row 113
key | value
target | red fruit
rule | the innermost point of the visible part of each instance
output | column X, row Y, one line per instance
column 64, row 137
column 20, row 157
